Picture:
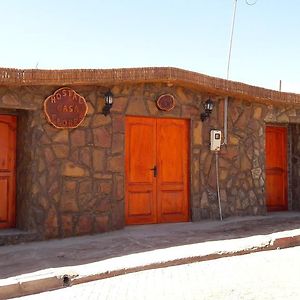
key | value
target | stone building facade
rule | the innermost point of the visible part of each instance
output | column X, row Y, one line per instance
column 72, row 181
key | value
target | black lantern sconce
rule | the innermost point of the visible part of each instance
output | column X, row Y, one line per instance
column 208, row 107
column 108, row 98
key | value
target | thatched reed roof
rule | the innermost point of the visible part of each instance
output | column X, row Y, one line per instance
column 217, row 86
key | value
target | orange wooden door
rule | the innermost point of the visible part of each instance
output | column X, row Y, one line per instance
column 7, row 171
column 156, row 170
column 140, row 149
column 172, row 170
column 276, row 168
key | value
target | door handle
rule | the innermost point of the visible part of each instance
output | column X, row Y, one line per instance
column 154, row 169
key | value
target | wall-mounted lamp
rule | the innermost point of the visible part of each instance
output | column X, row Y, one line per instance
column 208, row 107
column 108, row 98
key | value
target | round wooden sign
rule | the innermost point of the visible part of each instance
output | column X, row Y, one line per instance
column 65, row 108
column 166, row 102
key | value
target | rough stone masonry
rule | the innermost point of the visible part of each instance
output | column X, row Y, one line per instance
column 71, row 181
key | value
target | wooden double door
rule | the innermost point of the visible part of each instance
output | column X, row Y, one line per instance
column 157, row 152
column 276, row 168
column 7, row 171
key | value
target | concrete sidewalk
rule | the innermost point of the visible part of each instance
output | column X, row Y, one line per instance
column 40, row 266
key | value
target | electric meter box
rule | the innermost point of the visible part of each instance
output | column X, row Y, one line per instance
column 215, row 140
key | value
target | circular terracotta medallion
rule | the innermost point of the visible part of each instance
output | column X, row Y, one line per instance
column 166, row 102
column 65, row 108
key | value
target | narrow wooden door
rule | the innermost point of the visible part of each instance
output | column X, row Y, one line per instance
column 7, row 171
column 276, row 168
column 156, row 170
column 140, row 153
column 172, row 170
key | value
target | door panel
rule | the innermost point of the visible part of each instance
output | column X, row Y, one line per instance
column 4, row 146
column 170, row 141
column 276, row 168
column 161, row 197
column 4, row 190
column 140, row 149
column 171, row 203
column 140, row 203
column 172, row 184
column 7, row 170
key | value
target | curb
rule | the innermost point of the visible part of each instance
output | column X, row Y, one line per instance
column 52, row 279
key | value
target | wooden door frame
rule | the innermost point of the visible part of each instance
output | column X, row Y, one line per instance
column 189, row 149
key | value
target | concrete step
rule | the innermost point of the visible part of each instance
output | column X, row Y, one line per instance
column 14, row 236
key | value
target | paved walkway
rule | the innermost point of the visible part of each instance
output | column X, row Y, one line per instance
column 39, row 266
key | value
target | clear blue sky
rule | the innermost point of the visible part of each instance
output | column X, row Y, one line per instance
column 189, row 34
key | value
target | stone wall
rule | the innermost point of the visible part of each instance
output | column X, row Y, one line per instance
column 241, row 163
column 295, row 166
column 71, row 181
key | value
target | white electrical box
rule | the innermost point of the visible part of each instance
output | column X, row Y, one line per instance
column 215, row 140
